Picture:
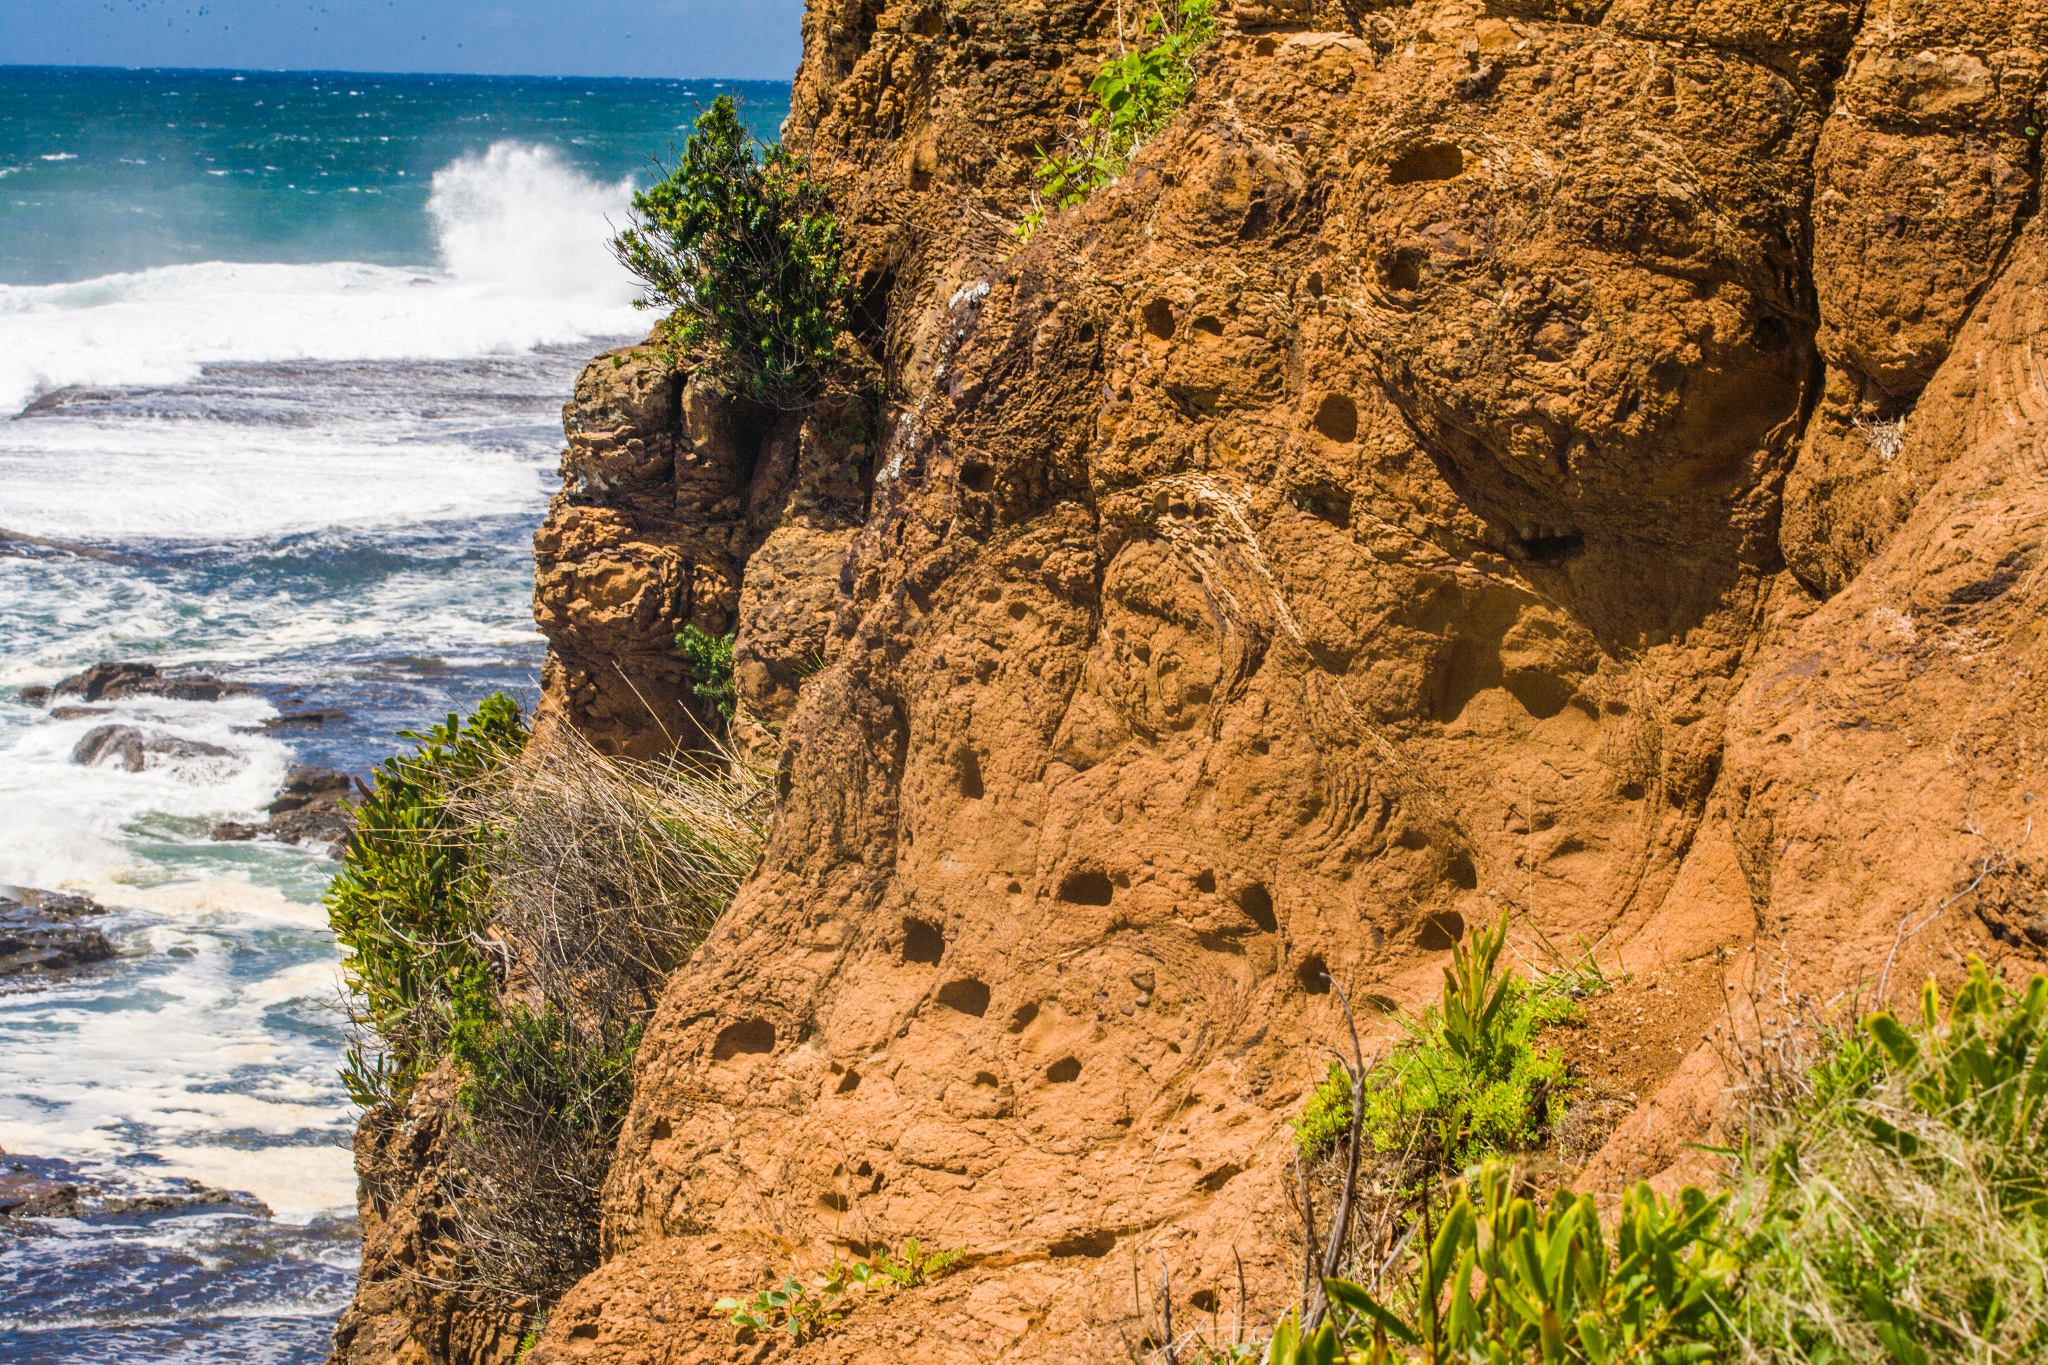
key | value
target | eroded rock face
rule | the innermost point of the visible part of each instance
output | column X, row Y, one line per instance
column 1371, row 514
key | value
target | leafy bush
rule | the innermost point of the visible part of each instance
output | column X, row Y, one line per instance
column 1137, row 94
column 802, row 1311
column 710, row 661
column 1896, row 1205
column 1494, row 1282
column 742, row 244
column 1468, row 1081
column 406, row 906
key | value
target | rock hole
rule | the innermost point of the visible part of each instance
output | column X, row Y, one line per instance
column 1203, row 1300
column 864, row 1169
column 1631, row 791
column 1064, row 1070
column 1551, row 546
column 1089, row 886
column 1018, row 611
column 977, row 477
column 1440, row 931
column 1256, row 901
column 1085, row 333
column 920, row 179
column 1266, row 47
column 1021, row 1019
column 1215, row 1180
column 1313, row 974
column 1430, row 161
column 1402, row 270
column 1769, row 335
column 748, row 1035
column 1208, row 326
column 832, row 1201
column 1205, row 882
column 1097, row 1243
column 1159, row 319
column 1462, row 873
column 1337, row 419
column 967, row 766
column 965, row 995
column 987, row 1078
column 583, row 1331
column 922, row 941
column 1315, row 284
column 1384, row 1004
column 660, row 1130
column 848, row 1083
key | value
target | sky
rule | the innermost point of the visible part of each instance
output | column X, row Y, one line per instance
column 737, row 39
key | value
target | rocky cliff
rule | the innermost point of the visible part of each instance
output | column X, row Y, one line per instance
column 1589, row 460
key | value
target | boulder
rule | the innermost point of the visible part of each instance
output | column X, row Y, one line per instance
column 122, row 681
column 310, row 809
column 133, row 748
column 40, row 933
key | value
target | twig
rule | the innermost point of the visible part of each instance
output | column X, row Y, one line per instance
column 1166, row 1309
column 1996, row 860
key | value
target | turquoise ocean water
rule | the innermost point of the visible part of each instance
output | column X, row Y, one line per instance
column 282, row 357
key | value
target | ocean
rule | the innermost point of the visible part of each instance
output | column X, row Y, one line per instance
column 282, row 357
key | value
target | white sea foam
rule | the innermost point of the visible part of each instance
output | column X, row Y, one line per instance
column 524, row 263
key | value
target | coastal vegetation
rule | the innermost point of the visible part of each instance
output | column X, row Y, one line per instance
column 509, row 908
column 1885, row 1203
column 1135, row 94
column 741, row 243
column 710, row 660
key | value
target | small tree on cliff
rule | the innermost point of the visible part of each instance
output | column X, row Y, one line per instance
column 745, row 250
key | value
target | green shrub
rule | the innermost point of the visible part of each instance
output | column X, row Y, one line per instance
column 1495, row 1282
column 802, row 1310
column 742, row 244
column 1468, row 1081
column 1896, row 1205
column 710, row 661
column 407, row 905
column 1136, row 95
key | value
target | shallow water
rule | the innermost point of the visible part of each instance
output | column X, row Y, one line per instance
column 315, row 476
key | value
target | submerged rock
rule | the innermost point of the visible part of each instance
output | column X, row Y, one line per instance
column 40, row 933
column 310, row 809
column 47, row 1187
column 121, row 681
column 135, row 749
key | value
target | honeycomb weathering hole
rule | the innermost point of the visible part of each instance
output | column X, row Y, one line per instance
column 1430, row 161
column 1064, row 1070
column 748, row 1035
column 1021, row 1020
column 1313, row 974
column 1256, row 901
column 965, row 995
column 922, row 941
column 1337, row 419
column 1159, row 319
column 1087, row 887
column 1440, row 932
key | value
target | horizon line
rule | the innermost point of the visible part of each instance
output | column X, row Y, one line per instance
column 395, row 75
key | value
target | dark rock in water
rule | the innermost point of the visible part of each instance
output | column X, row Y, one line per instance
column 309, row 809
column 33, row 696
column 133, row 748
column 79, row 712
column 40, row 933
column 119, row 681
column 44, row 1187
column 23, row 1195
column 301, row 720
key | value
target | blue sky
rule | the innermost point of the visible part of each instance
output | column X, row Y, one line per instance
column 741, row 39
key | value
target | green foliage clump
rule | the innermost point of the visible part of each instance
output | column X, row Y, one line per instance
column 406, row 906
column 742, row 244
column 1898, row 1206
column 539, row 1062
column 802, row 1311
column 1494, row 1281
column 1136, row 95
column 1468, row 1081
column 710, row 660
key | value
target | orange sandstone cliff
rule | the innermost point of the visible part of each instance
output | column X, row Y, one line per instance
column 1588, row 460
